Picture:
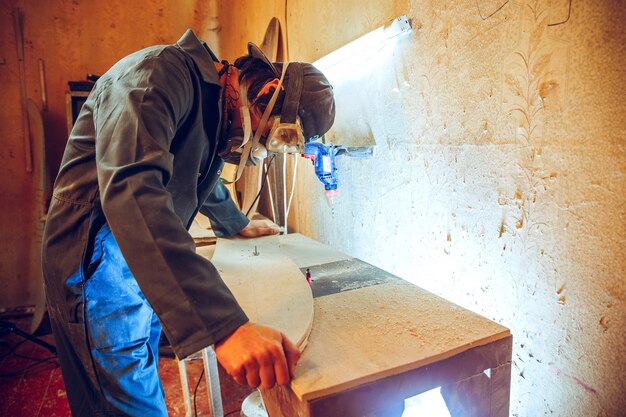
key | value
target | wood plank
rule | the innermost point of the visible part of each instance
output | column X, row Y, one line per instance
column 268, row 286
column 229, row 173
column 373, row 333
column 469, row 397
column 40, row 183
column 389, row 391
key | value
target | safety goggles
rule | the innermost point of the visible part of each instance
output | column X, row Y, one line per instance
column 285, row 137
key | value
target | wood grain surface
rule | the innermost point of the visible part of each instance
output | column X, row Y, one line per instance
column 372, row 333
column 267, row 284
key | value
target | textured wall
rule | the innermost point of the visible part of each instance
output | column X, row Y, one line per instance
column 498, row 176
column 499, row 170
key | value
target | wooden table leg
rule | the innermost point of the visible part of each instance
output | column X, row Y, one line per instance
column 481, row 395
column 467, row 390
column 501, row 390
column 470, row 397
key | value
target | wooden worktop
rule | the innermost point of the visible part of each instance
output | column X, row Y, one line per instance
column 361, row 335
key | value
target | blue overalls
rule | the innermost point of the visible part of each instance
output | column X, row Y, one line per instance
column 122, row 333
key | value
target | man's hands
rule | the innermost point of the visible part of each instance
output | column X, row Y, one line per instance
column 258, row 228
column 257, row 355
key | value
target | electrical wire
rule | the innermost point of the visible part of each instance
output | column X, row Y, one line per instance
column 285, row 220
column 195, row 391
column 293, row 184
column 262, row 185
column 31, row 358
column 47, row 360
column 10, row 349
column 51, row 360
column 269, row 192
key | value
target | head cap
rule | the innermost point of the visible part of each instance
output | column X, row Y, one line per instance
column 315, row 103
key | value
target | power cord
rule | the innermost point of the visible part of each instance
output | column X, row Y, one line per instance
column 195, row 391
column 293, row 185
column 11, row 350
column 262, row 185
column 47, row 360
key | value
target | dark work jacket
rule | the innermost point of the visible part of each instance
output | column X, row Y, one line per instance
column 142, row 157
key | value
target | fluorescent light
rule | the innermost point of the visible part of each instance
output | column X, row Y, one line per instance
column 367, row 46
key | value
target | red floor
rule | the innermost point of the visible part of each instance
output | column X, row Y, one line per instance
column 39, row 390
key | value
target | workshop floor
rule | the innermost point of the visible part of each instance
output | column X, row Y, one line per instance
column 37, row 389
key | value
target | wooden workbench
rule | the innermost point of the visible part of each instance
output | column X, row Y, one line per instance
column 377, row 340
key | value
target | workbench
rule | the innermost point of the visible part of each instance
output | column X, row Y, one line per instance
column 377, row 340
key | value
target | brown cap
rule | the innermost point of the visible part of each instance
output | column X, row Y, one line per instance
column 313, row 99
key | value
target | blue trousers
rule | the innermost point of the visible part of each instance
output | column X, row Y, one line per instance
column 109, row 358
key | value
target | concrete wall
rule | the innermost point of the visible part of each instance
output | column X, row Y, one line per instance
column 499, row 168
column 498, row 176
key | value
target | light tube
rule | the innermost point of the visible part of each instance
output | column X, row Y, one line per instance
column 368, row 47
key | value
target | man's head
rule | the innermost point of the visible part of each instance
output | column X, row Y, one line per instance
column 304, row 102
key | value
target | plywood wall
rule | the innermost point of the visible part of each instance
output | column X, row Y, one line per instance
column 499, row 170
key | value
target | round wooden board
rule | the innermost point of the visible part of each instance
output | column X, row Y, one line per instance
column 267, row 284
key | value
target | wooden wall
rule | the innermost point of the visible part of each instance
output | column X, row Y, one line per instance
column 73, row 38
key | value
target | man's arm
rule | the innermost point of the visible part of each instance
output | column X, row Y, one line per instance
column 136, row 116
column 257, row 355
column 227, row 220
column 253, row 355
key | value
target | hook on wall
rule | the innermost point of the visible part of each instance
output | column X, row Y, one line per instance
column 569, row 13
column 496, row 11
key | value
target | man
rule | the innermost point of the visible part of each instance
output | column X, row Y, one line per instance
column 144, row 156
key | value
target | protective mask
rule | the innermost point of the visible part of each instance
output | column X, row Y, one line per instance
column 231, row 152
column 253, row 151
column 258, row 152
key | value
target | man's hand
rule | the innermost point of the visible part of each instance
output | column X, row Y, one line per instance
column 257, row 355
column 258, row 228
